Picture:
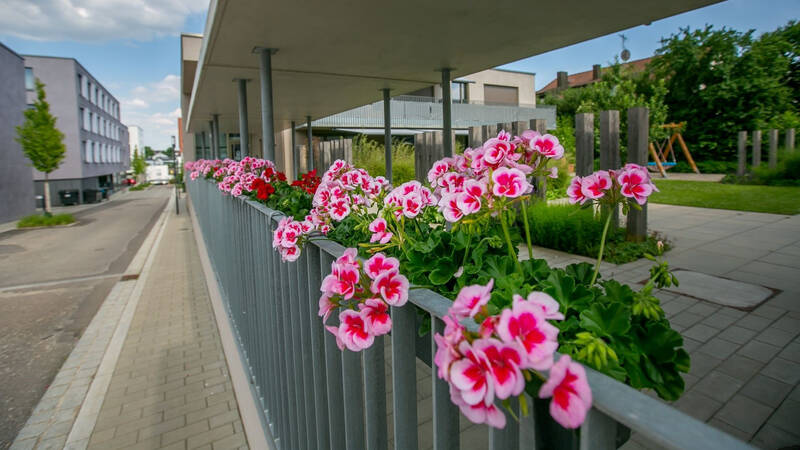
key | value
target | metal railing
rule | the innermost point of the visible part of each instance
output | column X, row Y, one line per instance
column 315, row 396
column 426, row 113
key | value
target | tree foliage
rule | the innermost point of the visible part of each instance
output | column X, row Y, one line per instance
column 722, row 81
column 138, row 165
column 41, row 141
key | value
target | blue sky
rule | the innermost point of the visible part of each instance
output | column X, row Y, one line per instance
column 132, row 46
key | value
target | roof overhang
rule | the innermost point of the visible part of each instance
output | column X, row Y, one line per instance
column 334, row 56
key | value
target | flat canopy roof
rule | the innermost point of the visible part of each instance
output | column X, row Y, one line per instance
column 334, row 56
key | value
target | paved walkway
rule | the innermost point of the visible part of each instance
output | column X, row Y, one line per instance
column 745, row 375
column 171, row 388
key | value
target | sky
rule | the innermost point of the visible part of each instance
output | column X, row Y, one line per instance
column 133, row 47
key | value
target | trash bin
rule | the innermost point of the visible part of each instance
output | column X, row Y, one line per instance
column 40, row 202
column 91, row 196
column 69, row 197
column 104, row 192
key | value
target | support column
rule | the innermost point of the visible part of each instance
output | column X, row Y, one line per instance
column 267, row 116
column 742, row 153
column 387, row 133
column 216, row 137
column 212, row 147
column 295, row 155
column 203, row 153
column 638, row 141
column 447, row 118
column 244, row 133
column 773, row 148
column 310, row 145
column 584, row 144
column 756, row 148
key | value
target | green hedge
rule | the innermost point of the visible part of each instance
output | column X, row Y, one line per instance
column 574, row 230
column 786, row 173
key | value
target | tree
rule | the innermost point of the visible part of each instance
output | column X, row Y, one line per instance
column 148, row 152
column 170, row 152
column 41, row 141
column 138, row 165
column 722, row 81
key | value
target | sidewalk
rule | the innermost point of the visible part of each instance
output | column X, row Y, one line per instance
column 168, row 386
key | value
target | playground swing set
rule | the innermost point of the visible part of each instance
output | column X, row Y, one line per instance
column 663, row 153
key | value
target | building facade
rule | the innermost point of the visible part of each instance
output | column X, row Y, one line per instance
column 16, row 177
column 97, row 146
column 135, row 140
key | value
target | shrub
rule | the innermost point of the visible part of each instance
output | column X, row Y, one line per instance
column 786, row 173
column 369, row 154
column 574, row 230
column 140, row 187
column 45, row 221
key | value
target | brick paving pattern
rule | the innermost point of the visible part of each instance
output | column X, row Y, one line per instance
column 171, row 388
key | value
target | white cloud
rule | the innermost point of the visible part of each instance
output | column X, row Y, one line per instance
column 152, row 106
column 93, row 20
column 157, row 127
column 135, row 103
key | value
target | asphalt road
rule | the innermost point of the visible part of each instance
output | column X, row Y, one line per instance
column 52, row 282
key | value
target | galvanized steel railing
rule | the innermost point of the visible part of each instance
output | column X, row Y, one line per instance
column 314, row 396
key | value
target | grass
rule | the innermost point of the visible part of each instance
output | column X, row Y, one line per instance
column 569, row 228
column 766, row 199
column 139, row 187
column 45, row 221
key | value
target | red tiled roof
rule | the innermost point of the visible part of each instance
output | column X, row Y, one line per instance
column 584, row 78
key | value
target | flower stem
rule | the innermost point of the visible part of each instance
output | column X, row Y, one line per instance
column 527, row 229
column 511, row 251
column 602, row 248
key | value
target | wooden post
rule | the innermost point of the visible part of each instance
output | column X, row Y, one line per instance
column 584, row 144
column 419, row 148
column 609, row 148
column 638, row 139
column 540, row 126
column 489, row 131
column 756, row 148
column 508, row 127
column 790, row 139
column 347, row 150
column 773, row 148
column 742, row 153
column 518, row 127
column 475, row 137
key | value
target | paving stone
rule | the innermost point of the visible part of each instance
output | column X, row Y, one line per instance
column 702, row 364
column 700, row 332
column 767, row 390
column 775, row 337
column 685, row 319
column 737, row 334
column 770, row 312
column 210, row 436
column 719, row 348
column 791, row 352
column 720, row 291
column 744, row 413
column 772, row 437
column 783, row 370
column 719, row 320
column 730, row 429
column 230, row 442
column 717, row 385
column 697, row 405
column 754, row 322
column 789, row 324
column 740, row 367
column 759, row 351
column 785, row 417
column 690, row 345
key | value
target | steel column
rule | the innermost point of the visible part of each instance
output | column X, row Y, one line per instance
column 295, row 155
column 244, row 133
column 310, row 145
column 447, row 114
column 212, row 148
column 387, row 133
column 267, row 116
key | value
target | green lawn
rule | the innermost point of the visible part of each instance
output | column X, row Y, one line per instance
column 703, row 194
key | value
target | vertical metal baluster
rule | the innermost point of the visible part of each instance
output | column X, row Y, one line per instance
column 445, row 413
column 286, row 324
column 353, row 385
column 296, row 354
column 304, row 302
column 375, row 395
column 598, row 432
column 508, row 437
column 333, row 370
column 317, row 350
column 404, row 377
column 281, row 368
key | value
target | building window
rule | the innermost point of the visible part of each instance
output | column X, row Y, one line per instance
column 30, row 82
column 85, row 151
column 84, row 86
column 94, row 152
column 96, row 92
column 458, row 92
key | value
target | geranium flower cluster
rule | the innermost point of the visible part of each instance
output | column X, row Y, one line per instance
column 500, row 168
column 491, row 363
column 308, row 182
column 364, row 292
column 343, row 190
column 409, row 199
column 237, row 177
column 612, row 186
column 290, row 236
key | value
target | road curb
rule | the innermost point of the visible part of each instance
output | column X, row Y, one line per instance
column 67, row 412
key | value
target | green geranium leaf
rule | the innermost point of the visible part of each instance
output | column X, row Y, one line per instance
column 441, row 274
column 682, row 361
column 562, row 288
column 617, row 292
column 659, row 342
column 582, row 272
column 609, row 320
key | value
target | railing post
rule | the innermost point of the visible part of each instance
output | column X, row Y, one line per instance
column 333, row 370
column 638, row 140
column 304, row 323
column 598, row 432
column 773, row 148
column 445, row 413
column 404, row 377
column 375, row 395
column 508, row 437
column 741, row 150
column 756, row 148
column 353, row 386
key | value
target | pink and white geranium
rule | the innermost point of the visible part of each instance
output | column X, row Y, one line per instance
column 492, row 363
column 612, row 186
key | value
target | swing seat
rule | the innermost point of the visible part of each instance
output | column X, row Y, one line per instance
column 666, row 165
